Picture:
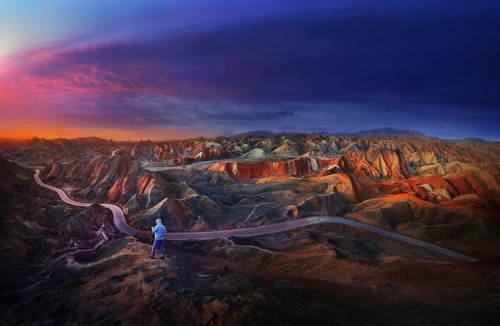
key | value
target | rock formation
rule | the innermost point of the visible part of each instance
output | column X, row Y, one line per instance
column 59, row 268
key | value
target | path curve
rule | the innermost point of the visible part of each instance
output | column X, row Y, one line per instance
column 118, row 216
column 121, row 224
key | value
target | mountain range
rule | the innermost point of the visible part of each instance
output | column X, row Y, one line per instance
column 61, row 263
column 382, row 132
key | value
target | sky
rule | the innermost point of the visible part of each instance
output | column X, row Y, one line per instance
column 155, row 69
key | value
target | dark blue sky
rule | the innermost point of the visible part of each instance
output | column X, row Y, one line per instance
column 179, row 69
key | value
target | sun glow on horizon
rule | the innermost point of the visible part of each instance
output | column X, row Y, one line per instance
column 180, row 69
column 117, row 134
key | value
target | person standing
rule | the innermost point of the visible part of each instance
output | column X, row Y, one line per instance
column 159, row 231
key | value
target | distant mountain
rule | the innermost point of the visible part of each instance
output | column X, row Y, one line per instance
column 329, row 133
column 472, row 142
column 12, row 140
column 383, row 132
column 390, row 132
column 261, row 133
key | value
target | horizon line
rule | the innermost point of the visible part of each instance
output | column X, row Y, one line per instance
column 332, row 134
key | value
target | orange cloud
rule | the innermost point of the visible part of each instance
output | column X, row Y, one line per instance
column 56, row 131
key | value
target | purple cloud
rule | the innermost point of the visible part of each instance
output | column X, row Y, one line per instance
column 290, row 70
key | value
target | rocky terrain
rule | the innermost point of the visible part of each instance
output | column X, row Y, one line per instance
column 75, row 262
column 438, row 191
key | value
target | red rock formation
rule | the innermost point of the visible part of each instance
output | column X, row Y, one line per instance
column 378, row 164
column 184, row 160
column 357, row 188
column 54, row 172
column 98, row 170
column 116, row 190
column 445, row 188
column 466, row 183
column 147, row 189
column 302, row 166
column 337, row 165
column 187, row 152
column 146, row 182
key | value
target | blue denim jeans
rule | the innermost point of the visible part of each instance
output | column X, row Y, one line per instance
column 158, row 244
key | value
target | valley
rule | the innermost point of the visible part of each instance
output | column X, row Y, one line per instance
column 344, row 227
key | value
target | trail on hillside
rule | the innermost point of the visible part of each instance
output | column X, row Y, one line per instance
column 122, row 225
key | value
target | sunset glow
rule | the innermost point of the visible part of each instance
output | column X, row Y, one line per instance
column 162, row 70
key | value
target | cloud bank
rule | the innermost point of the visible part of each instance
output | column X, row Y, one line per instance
column 340, row 68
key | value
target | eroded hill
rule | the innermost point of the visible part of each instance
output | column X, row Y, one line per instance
column 64, row 264
column 438, row 191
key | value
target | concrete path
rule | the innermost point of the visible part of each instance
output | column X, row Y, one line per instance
column 118, row 216
column 64, row 197
column 121, row 224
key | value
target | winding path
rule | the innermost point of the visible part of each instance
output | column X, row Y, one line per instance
column 118, row 216
column 121, row 224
